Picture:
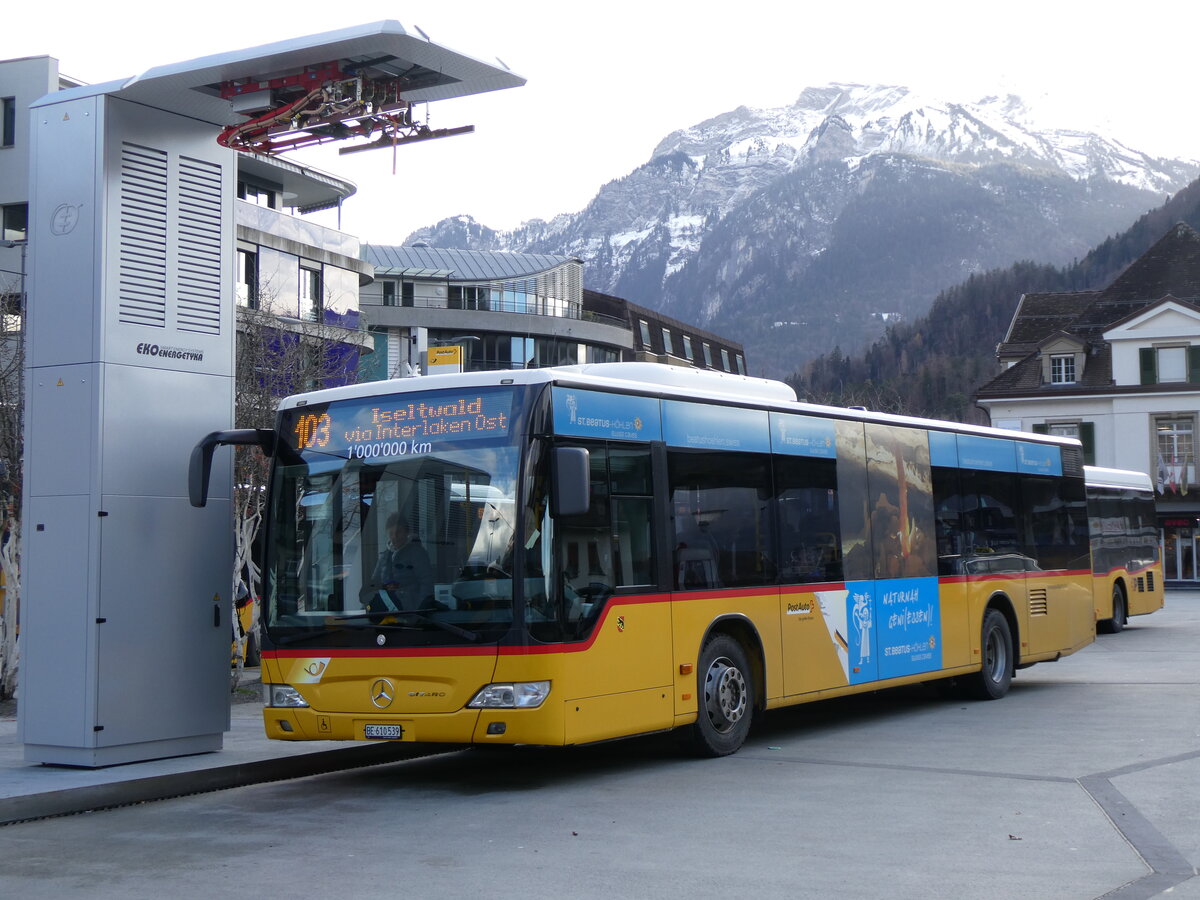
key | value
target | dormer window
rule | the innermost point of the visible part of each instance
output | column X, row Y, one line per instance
column 1169, row 365
column 1062, row 368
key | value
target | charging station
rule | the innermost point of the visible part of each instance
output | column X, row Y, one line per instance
column 125, row 632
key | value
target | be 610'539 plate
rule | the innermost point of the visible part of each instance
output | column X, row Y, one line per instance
column 383, row 732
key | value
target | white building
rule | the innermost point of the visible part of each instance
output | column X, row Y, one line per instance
column 1119, row 368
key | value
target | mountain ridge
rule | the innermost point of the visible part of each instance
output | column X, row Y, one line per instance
column 965, row 187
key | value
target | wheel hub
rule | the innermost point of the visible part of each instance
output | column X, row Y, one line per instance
column 724, row 694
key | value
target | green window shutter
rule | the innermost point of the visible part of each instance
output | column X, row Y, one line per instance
column 1194, row 365
column 1087, row 437
column 1147, row 360
column 1040, row 428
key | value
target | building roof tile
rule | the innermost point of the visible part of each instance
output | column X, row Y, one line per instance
column 1171, row 268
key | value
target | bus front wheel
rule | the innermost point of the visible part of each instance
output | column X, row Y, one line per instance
column 725, row 686
column 994, row 678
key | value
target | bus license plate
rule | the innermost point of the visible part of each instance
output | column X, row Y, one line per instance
column 383, row 732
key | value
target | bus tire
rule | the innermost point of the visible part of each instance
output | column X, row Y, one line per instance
column 1120, row 613
column 996, row 645
column 725, row 690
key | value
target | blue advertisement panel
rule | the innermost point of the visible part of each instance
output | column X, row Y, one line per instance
column 862, row 658
column 803, row 436
column 612, row 417
column 995, row 454
column 701, row 425
column 910, row 626
column 1039, row 459
column 943, row 449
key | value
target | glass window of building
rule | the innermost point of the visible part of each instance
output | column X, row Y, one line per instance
column 15, row 221
column 668, row 344
column 247, row 279
column 389, row 293
column 1063, row 429
column 1174, row 437
column 258, row 194
column 687, row 348
column 707, row 355
column 741, row 363
column 644, row 328
column 310, row 293
column 725, row 360
column 1062, row 369
column 1172, row 364
column 8, row 123
column 406, row 293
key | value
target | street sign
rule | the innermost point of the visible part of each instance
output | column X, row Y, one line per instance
column 444, row 360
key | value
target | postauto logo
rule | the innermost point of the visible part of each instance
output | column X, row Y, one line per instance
column 161, row 352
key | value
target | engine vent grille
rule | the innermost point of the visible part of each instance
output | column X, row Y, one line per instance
column 1038, row 603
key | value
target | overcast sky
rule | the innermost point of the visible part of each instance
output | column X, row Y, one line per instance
column 607, row 81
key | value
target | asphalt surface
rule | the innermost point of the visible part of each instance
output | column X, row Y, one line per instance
column 1081, row 783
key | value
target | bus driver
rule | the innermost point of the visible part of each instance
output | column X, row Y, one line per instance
column 403, row 576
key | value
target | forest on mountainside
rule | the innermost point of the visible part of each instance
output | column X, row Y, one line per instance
column 933, row 365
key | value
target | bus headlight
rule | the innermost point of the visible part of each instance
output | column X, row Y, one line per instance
column 282, row 695
column 514, row 695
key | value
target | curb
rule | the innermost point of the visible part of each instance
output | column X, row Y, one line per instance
column 218, row 778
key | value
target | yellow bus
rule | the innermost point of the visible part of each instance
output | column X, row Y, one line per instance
column 568, row 555
column 1127, row 577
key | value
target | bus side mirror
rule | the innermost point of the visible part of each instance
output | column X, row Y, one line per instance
column 200, row 465
column 572, row 487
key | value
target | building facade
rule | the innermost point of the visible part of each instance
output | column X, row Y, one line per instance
column 514, row 310
column 22, row 81
column 1119, row 369
column 295, row 276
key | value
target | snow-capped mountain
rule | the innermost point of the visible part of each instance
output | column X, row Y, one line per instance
column 811, row 226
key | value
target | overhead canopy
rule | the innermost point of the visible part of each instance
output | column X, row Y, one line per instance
column 381, row 49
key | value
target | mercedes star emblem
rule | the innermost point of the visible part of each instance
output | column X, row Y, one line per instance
column 382, row 693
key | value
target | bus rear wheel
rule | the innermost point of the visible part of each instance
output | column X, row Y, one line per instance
column 1120, row 613
column 994, row 678
column 725, row 688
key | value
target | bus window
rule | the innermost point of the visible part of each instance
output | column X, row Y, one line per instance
column 723, row 529
column 1054, row 523
column 806, row 503
column 989, row 514
column 948, row 507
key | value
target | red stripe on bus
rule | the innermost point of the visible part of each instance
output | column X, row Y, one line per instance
column 616, row 603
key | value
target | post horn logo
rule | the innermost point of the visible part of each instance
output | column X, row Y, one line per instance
column 382, row 693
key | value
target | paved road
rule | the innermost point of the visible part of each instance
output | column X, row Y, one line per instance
column 1082, row 783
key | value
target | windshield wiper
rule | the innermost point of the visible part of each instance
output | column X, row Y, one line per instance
column 371, row 622
column 306, row 636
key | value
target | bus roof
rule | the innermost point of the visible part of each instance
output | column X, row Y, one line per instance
column 657, row 379
column 1096, row 476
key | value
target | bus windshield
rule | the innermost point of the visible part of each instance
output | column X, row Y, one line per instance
column 394, row 524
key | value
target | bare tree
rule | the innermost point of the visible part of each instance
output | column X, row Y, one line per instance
column 12, row 400
column 277, row 355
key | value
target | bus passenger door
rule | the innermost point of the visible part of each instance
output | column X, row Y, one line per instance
column 993, row 552
column 1054, row 532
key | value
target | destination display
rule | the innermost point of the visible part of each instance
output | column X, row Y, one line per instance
column 400, row 424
